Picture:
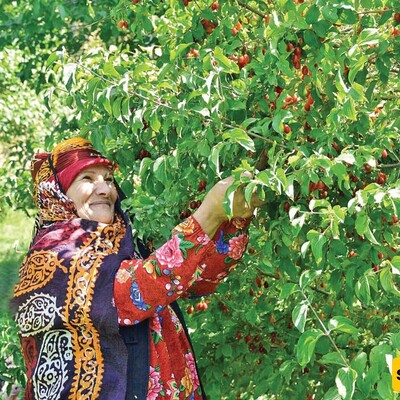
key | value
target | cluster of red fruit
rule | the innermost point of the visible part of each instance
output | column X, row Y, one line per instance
column 242, row 61
column 208, row 25
column 320, row 186
column 296, row 55
column 186, row 2
column 200, row 306
column 309, row 102
column 253, row 342
column 236, row 28
column 192, row 205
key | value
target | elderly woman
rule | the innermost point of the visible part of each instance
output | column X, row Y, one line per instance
column 96, row 312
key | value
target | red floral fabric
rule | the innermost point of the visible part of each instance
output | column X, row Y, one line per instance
column 190, row 263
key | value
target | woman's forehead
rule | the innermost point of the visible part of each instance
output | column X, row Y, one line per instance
column 97, row 169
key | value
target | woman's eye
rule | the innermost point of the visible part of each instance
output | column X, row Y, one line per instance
column 87, row 178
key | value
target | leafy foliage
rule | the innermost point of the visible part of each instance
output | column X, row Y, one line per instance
column 304, row 94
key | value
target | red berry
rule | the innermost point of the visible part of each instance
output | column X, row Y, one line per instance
column 190, row 309
column 384, row 153
column 395, row 219
column 397, row 17
column 380, row 255
column 248, row 338
column 123, row 25
column 239, row 335
column 202, row 185
column 215, row 5
column 234, row 31
column 352, row 253
column 287, row 128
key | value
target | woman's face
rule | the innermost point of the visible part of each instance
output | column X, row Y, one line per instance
column 94, row 194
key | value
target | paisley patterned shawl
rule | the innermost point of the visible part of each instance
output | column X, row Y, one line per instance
column 64, row 300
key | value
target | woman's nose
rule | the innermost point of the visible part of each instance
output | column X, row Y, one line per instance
column 103, row 187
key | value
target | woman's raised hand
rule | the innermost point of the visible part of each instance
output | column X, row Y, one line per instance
column 211, row 213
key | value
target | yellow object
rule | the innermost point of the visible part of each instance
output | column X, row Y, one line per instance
column 396, row 374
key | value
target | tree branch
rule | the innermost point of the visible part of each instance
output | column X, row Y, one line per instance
column 252, row 9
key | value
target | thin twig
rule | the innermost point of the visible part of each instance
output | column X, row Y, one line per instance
column 326, row 332
column 252, row 9
column 396, row 165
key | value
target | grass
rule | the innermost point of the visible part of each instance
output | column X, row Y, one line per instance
column 15, row 235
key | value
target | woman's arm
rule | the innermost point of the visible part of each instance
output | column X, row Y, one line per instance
column 144, row 287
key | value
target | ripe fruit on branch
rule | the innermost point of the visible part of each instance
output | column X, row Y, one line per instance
column 192, row 53
column 384, row 153
column 201, row 306
column 352, row 253
column 190, row 309
column 202, row 185
column 123, row 25
column 208, row 25
column 243, row 60
column 287, row 128
column 214, row 6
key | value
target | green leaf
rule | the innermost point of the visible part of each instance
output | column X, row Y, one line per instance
column 332, row 394
column 53, row 57
column 228, row 66
column 287, row 289
column 299, row 315
column 349, row 110
column 306, row 345
column 345, row 382
column 308, row 277
column 363, row 290
column 333, row 358
column 317, row 241
column 177, row 51
column 386, row 280
column 109, row 69
column 342, row 324
column 116, row 107
column 359, row 363
column 384, row 388
column 238, row 135
column 355, row 68
column 330, row 13
column 312, row 14
column 368, row 36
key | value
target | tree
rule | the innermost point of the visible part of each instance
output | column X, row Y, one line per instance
column 181, row 93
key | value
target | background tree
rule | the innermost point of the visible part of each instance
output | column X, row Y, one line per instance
column 305, row 94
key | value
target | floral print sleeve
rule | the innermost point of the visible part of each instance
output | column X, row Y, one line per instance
column 143, row 288
column 230, row 241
